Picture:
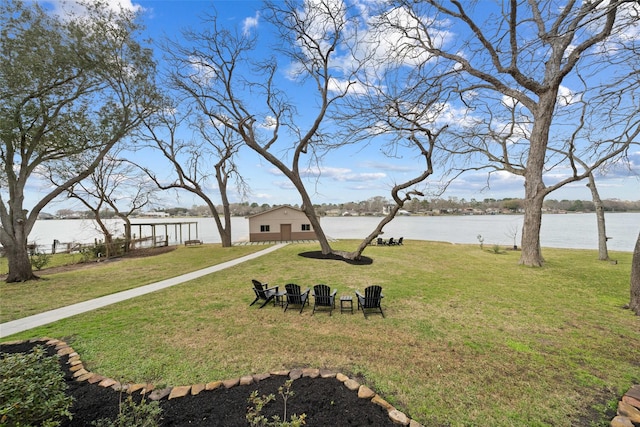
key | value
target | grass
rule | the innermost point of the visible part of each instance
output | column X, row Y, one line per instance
column 62, row 289
column 469, row 338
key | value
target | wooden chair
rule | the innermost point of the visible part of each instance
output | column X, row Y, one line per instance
column 371, row 300
column 295, row 297
column 391, row 242
column 263, row 292
column 381, row 241
column 323, row 297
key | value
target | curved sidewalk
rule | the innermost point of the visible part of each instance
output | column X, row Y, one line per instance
column 26, row 323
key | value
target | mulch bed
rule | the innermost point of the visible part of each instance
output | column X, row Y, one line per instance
column 325, row 401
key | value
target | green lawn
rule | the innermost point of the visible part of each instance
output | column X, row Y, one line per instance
column 470, row 338
column 92, row 280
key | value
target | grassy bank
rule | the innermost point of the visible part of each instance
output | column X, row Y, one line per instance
column 470, row 337
column 92, row 280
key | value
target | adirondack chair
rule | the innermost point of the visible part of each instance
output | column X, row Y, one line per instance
column 370, row 300
column 381, row 241
column 263, row 292
column 391, row 242
column 323, row 297
column 400, row 241
column 295, row 296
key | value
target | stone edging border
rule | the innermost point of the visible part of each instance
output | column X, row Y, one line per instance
column 628, row 409
column 82, row 374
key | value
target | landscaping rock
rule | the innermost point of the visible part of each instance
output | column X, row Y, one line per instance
column 246, row 380
column 260, row 377
column 631, row 401
column 196, row 389
column 629, row 411
column 179, row 391
column 213, row 385
column 231, row 383
column 381, row 402
column 634, row 392
column 341, row 377
column 311, row 372
column 365, row 392
column 295, row 374
column 326, row 373
column 107, row 382
column 398, row 417
column 620, row 421
column 352, row 384
column 95, row 379
column 160, row 394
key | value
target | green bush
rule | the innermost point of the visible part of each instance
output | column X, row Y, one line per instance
column 254, row 412
column 39, row 260
column 132, row 414
column 33, row 390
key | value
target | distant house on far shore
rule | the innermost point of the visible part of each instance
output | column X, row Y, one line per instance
column 283, row 223
column 154, row 214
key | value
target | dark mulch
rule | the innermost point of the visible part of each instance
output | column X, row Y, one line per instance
column 326, row 402
column 319, row 255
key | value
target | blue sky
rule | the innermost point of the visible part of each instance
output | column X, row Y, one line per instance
column 351, row 173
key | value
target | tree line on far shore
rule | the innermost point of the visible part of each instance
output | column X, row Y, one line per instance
column 377, row 206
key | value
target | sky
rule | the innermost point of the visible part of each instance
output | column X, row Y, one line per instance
column 348, row 174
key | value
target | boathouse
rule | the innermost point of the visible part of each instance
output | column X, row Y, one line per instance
column 283, row 223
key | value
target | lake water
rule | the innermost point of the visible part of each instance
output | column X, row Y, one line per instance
column 559, row 231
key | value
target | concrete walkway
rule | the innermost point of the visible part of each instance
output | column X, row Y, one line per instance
column 26, row 323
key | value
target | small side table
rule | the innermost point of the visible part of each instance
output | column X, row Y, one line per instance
column 279, row 299
column 346, row 304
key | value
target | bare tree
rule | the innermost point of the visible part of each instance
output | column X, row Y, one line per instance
column 119, row 185
column 603, row 252
column 520, row 71
column 210, row 152
column 71, row 88
column 215, row 69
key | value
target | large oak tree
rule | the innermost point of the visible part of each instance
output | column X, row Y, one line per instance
column 534, row 80
column 320, row 49
column 71, row 87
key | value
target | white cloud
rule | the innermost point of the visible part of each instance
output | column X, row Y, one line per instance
column 269, row 122
column 203, row 72
column 250, row 23
column 344, row 86
column 567, row 97
column 78, row 8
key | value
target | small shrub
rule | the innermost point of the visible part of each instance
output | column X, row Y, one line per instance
column 33, row 390
column 496, row 249
column 254, row 413
column 481, row 240
column 39, row 260
column 132, row 414
column 87, row 254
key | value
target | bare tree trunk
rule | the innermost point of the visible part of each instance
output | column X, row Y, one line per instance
column 634, row 303
column 223, row 229
column 108, row 238
column 312, row 216
column 603, row 253
column 534, row 187
column 15, row 244
column 20, row 269
column 127, row 232
column 531, row 254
